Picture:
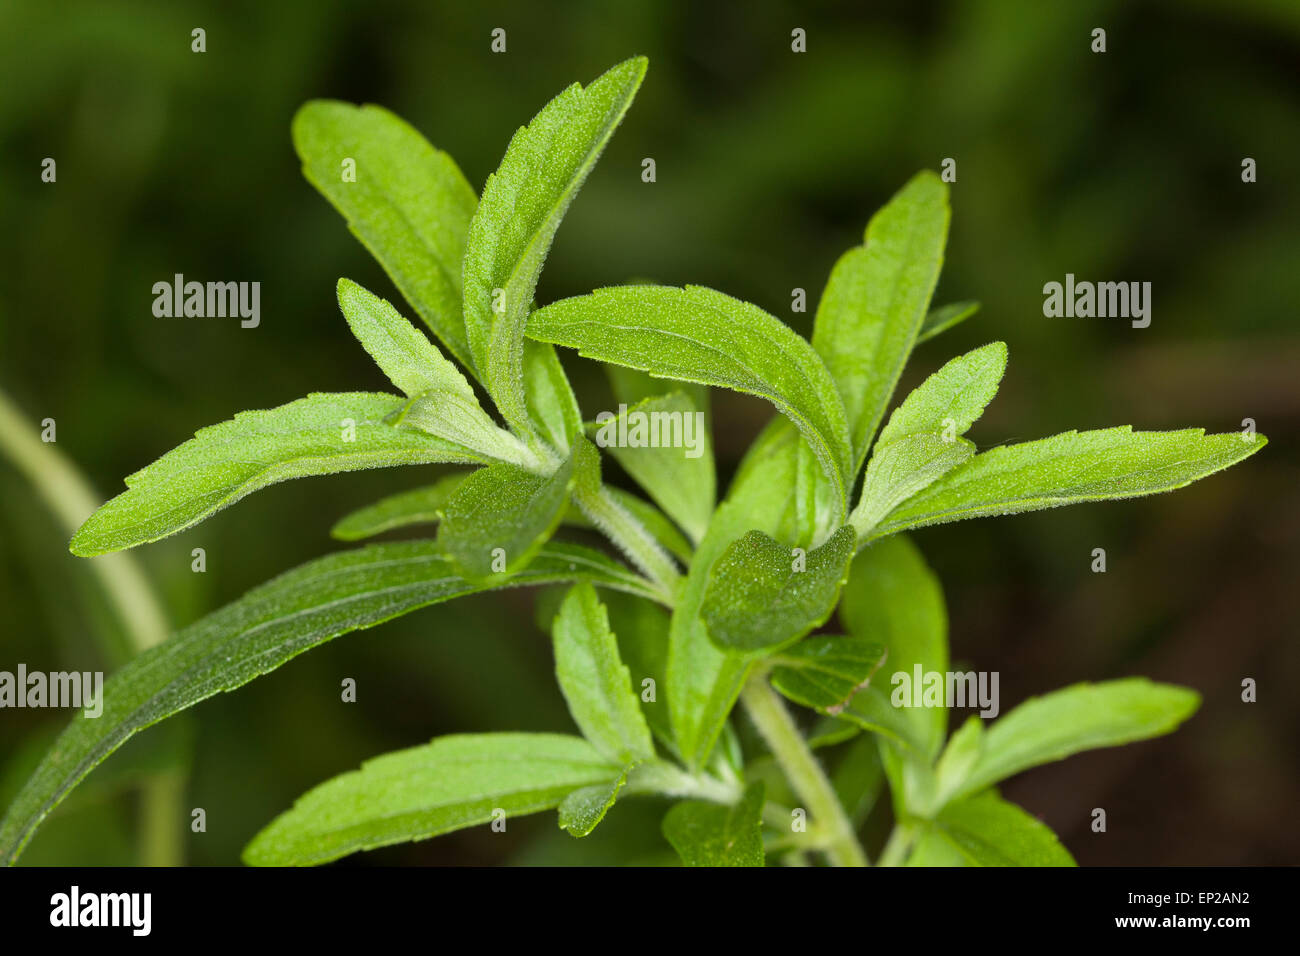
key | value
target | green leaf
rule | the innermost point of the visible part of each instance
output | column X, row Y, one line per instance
column 945, row 317
column 500, row 516
column 699, row 335
column 708, row 834
column 411, row 208
column 951, row 399
column 459, row 419
column 825, row 672
column 1072, row 467
column 552, row 406
column 894, row 598
column 1077, row 718
column 703, row 680
column 955, row 764
column 760, row 597
column 595, row 682
column 417, row 506
column 254, row 635
column 876, row 299
column 410, row 205
column 642, row 630
column 901, row 470
column 583, row 809
column 449, row 784
column 988, row 831
column 410, row 360
column 522, row 205
column 317, row 435
column 663, row 443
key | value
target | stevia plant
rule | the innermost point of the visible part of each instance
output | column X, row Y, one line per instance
column 706, row 604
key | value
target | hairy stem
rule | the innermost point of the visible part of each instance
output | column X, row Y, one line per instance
column 631, row 537
column 802, row 770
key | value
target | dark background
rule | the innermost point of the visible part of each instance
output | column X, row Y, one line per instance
column 1123, row 166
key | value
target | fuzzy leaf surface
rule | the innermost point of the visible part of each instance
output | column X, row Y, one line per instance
column 1069, row 468
column 709, row 834
column 595, row 682
column 449, row 784
column 410, row 204
column 699, row 335
column 317, row 435
column 522, row 205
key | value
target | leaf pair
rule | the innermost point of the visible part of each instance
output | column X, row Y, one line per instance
column 469, row 779
column 967, row 824
column 893, row 598
column 265, row 628
column 521, row 208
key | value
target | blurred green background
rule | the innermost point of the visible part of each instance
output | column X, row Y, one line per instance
column 1123, row 165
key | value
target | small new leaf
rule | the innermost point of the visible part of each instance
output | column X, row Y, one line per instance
column 583, row 809
column 951, row 399
column 417, row 506
column 759, row 599
column 708, row 834
column 401, row 351
column 824, row 672
column 902, row 469
column 500, row 516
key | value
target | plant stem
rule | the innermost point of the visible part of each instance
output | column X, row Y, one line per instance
column 161, row 819
column 659, row 776
column 632, row 539
column 898, row 845
column 69, row 497
column 63, row 490
column 802, row 770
